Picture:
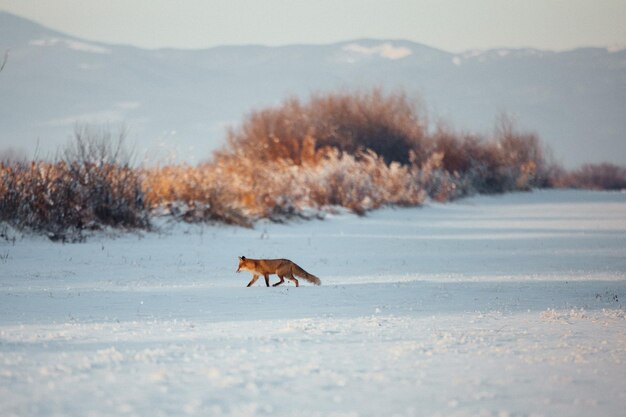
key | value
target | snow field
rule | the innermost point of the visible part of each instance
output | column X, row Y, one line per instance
column 495, row 306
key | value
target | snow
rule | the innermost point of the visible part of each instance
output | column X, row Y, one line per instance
column 496, row 306
column 383, row 50
column 117, row 112
column 616, row 48
column 71, row 44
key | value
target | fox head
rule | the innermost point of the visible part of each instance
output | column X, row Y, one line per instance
column 242, row 263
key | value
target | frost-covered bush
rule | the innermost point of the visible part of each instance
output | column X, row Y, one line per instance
column 237, row 190
column 358, row 182
column 91, row 186
column 195, row 193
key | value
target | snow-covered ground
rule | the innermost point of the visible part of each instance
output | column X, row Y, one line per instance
column 497, row 306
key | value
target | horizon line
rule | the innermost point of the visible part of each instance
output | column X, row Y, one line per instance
column 609, row 48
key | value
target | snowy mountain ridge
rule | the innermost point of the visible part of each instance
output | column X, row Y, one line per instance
column 182, row 100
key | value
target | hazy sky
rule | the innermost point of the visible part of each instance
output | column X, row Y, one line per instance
column 453, row 25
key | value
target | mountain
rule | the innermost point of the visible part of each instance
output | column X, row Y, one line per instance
column 183, row 100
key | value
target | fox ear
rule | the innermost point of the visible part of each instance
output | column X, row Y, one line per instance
column 243, row 258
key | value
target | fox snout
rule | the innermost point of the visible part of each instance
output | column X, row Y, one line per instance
column 241, row 261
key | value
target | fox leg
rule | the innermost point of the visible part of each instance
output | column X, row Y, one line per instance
column 279, row 282
column 254, row 278
column 292, row 278
column 267, row 279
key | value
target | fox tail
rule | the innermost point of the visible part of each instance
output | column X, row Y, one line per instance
column 299, row 272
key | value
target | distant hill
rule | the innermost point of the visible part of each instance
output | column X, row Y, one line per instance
column 184, row 99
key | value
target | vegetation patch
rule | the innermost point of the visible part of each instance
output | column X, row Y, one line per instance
column 354, row 150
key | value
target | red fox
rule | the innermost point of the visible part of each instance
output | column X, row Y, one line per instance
column 284, row 268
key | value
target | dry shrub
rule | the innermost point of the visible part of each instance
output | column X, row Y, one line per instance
column 358, row 182
column 194, row 194
column 238, row 190
column 355, row 150
column 63, row 199
column 594, row 177
column 88, row 189
column 389, row 125
column 508, row 161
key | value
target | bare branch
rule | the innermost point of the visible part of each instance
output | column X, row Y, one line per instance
column 4, row 62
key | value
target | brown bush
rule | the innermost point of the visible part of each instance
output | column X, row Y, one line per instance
column 508, row 161
column 389, row 125
column 594, row 177
column 238, row 190
column 88, row 189
column 193, row 193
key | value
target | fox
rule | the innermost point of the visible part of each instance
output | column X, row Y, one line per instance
column 284, row 268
